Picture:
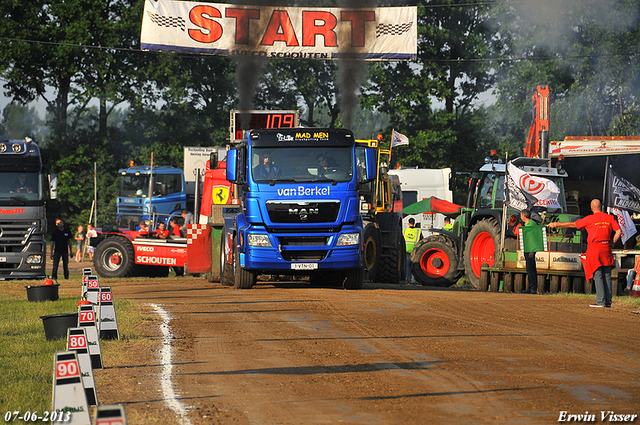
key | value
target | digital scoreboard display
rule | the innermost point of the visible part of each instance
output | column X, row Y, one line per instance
column 256, row 120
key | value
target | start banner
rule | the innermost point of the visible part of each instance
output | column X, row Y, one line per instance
column 377, row 33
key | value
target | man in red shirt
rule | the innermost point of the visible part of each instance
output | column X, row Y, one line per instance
column 599, row 258
column 162, row 232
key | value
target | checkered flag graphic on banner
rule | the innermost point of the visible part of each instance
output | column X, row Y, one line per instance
column 392, row 29
column 167, row 21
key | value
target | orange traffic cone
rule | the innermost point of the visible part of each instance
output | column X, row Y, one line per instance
column 635, row 289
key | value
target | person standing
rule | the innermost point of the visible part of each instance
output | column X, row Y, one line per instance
column 91, row 233
column 188, row 219
column 79, row 240
column 412, row 235
column 60, row 248
column 599, row 258
column 530, row 257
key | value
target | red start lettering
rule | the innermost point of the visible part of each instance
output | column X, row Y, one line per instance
column 202, row 16
column 279, row 28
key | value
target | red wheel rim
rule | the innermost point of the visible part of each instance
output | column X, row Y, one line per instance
column 483, row 251
column 115, row 259
column 431, row 266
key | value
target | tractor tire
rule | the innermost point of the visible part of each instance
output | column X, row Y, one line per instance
column 354, row 279
column 434, row 261
column 391, row 262
column 481, row 247
column 242, row 279
column 371, row 244
column 226, row 269
column 114, row 257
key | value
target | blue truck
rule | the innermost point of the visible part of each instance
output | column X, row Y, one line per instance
column 167, row 188
column 302, row 217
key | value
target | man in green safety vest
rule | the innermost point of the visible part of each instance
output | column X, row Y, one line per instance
column 412, row 235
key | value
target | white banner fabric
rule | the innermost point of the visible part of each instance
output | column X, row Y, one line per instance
column 544, row 190
column 377, row 33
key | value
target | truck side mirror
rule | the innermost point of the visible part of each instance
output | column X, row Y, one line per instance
column 53, row 186
column 371, row 165
column 232, row 156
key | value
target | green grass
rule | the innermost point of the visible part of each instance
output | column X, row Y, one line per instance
column 26, row 356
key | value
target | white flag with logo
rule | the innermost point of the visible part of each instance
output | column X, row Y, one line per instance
column 398, row 139
column 544, row 190
column 626, row 223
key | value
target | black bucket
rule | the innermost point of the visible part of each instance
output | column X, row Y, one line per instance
column 42, row 292
column 56, row 325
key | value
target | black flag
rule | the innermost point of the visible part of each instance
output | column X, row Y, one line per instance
column 621, row 193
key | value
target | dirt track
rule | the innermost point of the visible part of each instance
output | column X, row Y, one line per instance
column 287, row 353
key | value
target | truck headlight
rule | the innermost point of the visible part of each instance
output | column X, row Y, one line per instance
column 34, row 259
column 258, row 240
column 348, row 239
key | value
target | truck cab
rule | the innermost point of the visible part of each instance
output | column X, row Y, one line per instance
column 299, row 210
column 23, row 222
column 134, row 204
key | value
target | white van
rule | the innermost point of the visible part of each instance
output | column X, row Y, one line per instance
column 418, row 184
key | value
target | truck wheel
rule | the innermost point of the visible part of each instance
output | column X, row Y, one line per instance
column 243, row 279
column 354, row 279
column 434, row 261
column 114, row 257
column 481, row 247
column 518, row 283
column 226, row 269
column 371, row 245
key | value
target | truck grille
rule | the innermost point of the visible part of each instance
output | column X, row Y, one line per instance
column 14, row 236
column 303, row 240
column 303, row 212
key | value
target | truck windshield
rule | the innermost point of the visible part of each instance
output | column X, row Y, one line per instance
column 132, row 185
column 20, row 187
column 302, row 164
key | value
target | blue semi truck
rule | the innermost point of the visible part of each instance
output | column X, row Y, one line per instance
column 146, row 191
column 303, row 215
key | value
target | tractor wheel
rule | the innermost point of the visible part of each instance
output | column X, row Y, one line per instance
column 114, row 257
column 481, row 247
column 226, row 268
column 434, row 261
column 391, row 261
column 518, row 283
column 243, row 279
column 372, row 247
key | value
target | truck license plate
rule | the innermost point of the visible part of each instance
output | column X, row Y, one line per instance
column 304, row 266
column 3, row 259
